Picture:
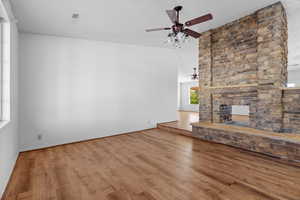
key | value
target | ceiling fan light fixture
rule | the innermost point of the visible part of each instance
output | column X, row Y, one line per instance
column 195, row 75
column 177, row 39
column 179, row 33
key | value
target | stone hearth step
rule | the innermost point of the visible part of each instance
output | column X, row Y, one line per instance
column 281, row 145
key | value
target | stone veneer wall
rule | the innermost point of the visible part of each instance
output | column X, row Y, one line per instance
column 234, row 53
column 247, row 54
column 291, row 110
column 235, row 96
column 272, row 66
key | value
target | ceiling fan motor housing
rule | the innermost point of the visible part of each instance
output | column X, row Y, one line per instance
column 178, row 8
column 177, row 28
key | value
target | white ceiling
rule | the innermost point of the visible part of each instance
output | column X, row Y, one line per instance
column 124, row 21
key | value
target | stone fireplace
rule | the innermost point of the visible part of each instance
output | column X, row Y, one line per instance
column 228, row 97
column 244, row 63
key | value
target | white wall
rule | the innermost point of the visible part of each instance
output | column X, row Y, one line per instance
column 185, row 96
column 9, row 133
column 188, row 56
column 188, row 59
column 294, row 77
column 74, row 89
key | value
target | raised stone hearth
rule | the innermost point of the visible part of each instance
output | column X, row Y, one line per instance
column 285, row 146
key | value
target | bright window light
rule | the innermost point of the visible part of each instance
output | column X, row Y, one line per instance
column 291, row 85
column 193, row 95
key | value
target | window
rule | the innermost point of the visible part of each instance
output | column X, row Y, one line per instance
column 5, row 45
column 194, row 92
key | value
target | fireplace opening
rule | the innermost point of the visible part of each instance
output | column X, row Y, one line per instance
column 237, row 115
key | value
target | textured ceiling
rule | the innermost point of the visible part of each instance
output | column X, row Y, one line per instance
column 124, row 21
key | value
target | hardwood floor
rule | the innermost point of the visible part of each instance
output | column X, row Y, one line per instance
column 150, row 165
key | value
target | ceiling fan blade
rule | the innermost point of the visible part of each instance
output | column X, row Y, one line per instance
column 157, row 29
column 172, row 15
column 199, row 20
column 191, row 33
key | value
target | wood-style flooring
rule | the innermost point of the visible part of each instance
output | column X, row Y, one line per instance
column 151, row 165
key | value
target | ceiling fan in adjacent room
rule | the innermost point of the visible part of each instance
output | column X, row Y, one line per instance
column 195, row 75
column 179, row 33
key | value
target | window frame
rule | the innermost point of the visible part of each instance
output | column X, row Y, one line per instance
column 5, row 63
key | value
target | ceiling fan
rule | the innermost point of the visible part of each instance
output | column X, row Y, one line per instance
column 195, row 75
column 178, row 27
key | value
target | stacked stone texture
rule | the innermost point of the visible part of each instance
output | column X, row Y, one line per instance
column 272, row 66
column 272, row 45
column 234, row 53
column 235, row 96
column 281, row 147
column 205, row 105
column 291, row 111
column 250, row 51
